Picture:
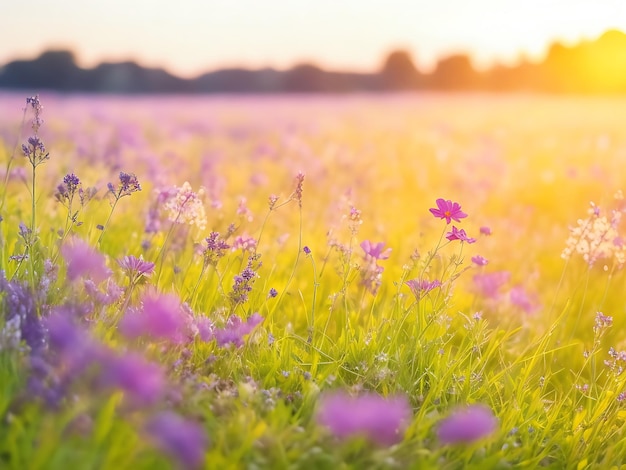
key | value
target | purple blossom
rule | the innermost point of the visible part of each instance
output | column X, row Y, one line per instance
column 456, row 234
column 479, row 260
column 489, row 284
column 19, row 301
column 421, row 287
column 375, row 251
column 235, row 329
column 485, row 231
column 142, row 380
column 446, row 209
column 182, row 439
column 272, row 293
column 243, row 283
column 160, row 317
column 245, row 243
column 84, row 261
column 215, row 249
column 381, row 420
column 467, row 424
column 136, row 268
column 522, row 299
column 128, row 184
column 307, row 250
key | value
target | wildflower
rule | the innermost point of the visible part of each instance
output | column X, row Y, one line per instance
column 160, row 317
column 490, row 284
column 485, row 230
column 143, row 381
column 456, row 234
column 185, row 207
column 84, row 261
column 214, row 250
column 375, row 251
column 205, row 328
column 448, row 210
column 307, row 250
column 520, row 298
column 467, row 424
column 602, row 323
column 381, row 420
column 243, row 283
column 128, row 184
column 272, row 293
column 245, row 243
column 19, row 301
column 136, row 268
column 297, row 194
column 421, row 287
column 479, row 260
column 235, row 329
column 180, row 438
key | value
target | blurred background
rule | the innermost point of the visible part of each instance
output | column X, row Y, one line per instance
column 274, row 46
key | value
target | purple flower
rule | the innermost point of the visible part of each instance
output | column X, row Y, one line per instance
column 421, row 287
column 520, row 298
column 485, row 231
column 142, row 380
column 467, row 424
column 375, row 251
column 235, row 329
column 490, row 284
column 479, row 260
column 135, row 268
column 272, row 293
column 128, row 184
column 456, row 234
column 160, row 317
column 84, row 261
column 381, row 420
column 307, row 250
column 244, row 243
column 448, row 210
column 182, row 439
column 215, row 249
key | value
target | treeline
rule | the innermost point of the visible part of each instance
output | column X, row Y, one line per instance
column 589, row 67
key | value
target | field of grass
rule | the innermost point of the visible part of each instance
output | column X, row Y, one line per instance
column 419, row 281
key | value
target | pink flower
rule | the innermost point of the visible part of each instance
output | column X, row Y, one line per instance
column 457, row 234
column 490, row 284
column 381, row 420
column 467, row 425
column 161, row 316
column 421, row 287
column 235, row 329
column 520, row 298
column 448, row 210
column 375, row 251
column 183, row 439
column 479, row 260
column 485, row 231
column 84, row 261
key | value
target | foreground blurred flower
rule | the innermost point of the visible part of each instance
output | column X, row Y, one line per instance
column 84, row 261
column 381, row 420
column 136, row 268
column 479, row 260
column 448, row 210
column 467, row 424
column 143, row 381
column 160, row 317
column 182, row 439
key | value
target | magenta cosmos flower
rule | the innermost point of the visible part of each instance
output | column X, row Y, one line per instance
column 421, row 287
column 448, row 210
column 456, row 234
column 381, row 420
column 467, row 424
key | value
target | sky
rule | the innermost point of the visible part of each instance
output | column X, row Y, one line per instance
column 189, row 37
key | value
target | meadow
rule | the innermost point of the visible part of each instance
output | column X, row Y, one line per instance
column 318, row 282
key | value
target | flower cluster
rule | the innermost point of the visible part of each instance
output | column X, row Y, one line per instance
column 128, row 185
column 214, row 250
column 597, row 238
column 244, row 281
column 35, row 150
column 185, row 207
